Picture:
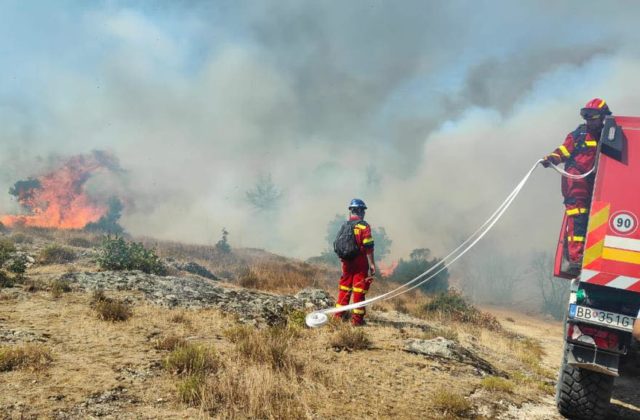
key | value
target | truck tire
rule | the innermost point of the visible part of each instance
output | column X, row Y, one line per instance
column 582, row 393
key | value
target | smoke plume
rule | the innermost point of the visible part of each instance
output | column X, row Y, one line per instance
column 430, row 112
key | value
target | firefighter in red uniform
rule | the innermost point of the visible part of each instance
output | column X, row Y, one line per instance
column 358, row 272
column 578, row 152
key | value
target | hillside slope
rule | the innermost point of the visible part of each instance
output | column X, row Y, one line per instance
column 191, row 346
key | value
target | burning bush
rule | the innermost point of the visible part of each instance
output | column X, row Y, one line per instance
column 59, row 199
column 118, row 254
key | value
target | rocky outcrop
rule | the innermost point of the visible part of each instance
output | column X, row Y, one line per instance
column 191, row 267
column 442, row 348
column 250, row 306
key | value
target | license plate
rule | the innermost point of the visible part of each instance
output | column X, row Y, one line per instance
column 598, row 316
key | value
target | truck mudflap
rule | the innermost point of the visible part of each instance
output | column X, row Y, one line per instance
column 593, row 359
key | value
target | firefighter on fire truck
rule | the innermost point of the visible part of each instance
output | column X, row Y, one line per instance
column 578, row 153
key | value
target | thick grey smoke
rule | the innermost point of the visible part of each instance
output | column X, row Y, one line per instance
column 444, row 106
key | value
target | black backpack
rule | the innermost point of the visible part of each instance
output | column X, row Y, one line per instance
column 345, row 245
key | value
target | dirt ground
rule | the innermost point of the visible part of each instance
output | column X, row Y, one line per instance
column 626, row 394
column 112, row 370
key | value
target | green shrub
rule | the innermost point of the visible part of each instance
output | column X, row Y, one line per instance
column 118, row 254
column 56, row 254
column 418, row 263
column 18, row 265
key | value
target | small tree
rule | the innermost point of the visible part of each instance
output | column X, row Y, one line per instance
column 222, row 246
column 264, row 196
column 555, row 292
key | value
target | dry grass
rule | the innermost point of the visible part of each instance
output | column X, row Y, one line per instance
column 82, row 242
column 448, row 333
column 21, row 238
column 58, row 287
column 170, row 343
column 452, row 306
column 108, row 309
column 272, row 346
column 56, row 254
column 350, row 338
column 5, row 280
column 398, row 384
column 254, row 392
column 27, row 356
column 284, row 276
column 451, row 404
column 180, row 318
column 248, row 280
column 32, row 286
column 495, row 383
column 192, row 359
column 527, row 350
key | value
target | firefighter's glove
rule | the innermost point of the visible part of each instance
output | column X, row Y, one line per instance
column 550, row 160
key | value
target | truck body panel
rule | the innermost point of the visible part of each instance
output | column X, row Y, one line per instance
column 612, row 249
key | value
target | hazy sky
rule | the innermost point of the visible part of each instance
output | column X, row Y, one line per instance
column 430, row 111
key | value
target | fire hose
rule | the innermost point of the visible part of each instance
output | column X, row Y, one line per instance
column 319, row 318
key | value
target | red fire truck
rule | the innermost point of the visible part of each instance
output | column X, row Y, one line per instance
column 605, row 297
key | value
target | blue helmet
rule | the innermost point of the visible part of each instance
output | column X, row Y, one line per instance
column 356, row 203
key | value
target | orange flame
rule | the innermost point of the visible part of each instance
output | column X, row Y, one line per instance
column 58, row 199
column 387, row 270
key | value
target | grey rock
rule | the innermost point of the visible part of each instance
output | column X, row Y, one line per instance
column 193, row 268
column 443, row 348
column 249, row 305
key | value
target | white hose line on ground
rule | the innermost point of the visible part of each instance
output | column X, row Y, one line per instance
column 319, row 318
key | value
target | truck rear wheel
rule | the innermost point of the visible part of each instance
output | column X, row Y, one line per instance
column 582, row 393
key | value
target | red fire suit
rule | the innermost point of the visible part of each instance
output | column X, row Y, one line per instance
column 354, row 280
column 578, row 152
